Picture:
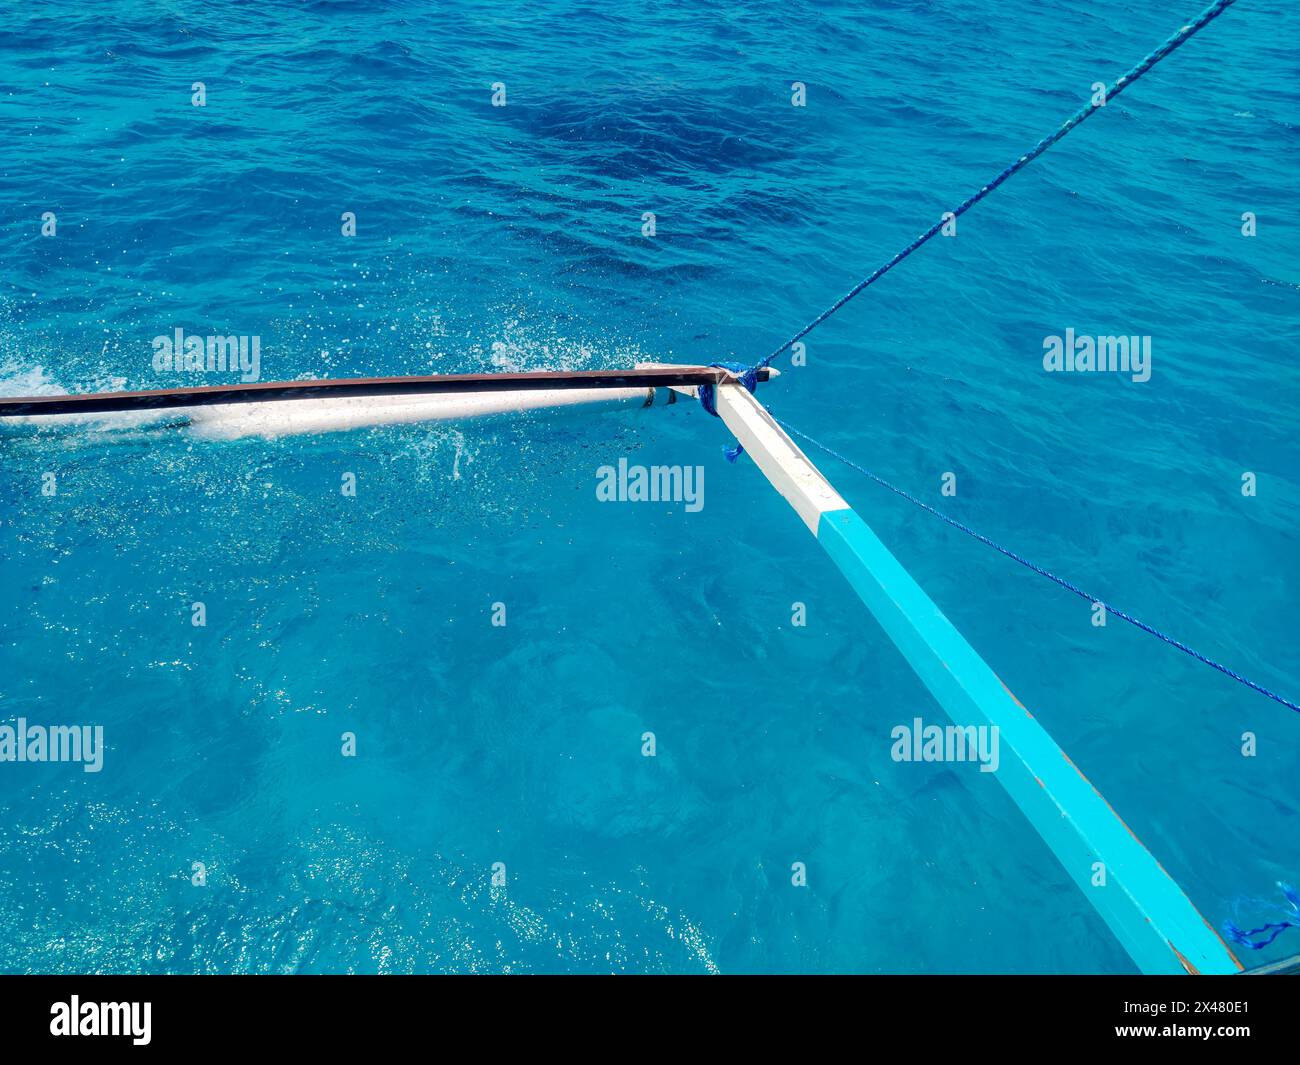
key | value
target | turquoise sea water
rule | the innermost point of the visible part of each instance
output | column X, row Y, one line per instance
column 520, row 227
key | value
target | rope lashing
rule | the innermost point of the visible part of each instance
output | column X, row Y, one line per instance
column 1178, row 39
column 708, row 395
column 1067, row 585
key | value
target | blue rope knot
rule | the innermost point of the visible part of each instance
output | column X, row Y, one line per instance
column 708, row 394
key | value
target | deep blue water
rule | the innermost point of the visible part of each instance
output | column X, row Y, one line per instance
column 521, row 226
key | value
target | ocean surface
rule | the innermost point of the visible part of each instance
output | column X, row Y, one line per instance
column 512, row 237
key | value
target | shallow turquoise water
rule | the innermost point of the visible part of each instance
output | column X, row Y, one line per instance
column 521, row 227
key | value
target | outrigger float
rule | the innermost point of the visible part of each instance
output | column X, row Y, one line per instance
column 1150, row 915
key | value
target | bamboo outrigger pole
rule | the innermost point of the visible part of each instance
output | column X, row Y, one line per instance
column 344, row 388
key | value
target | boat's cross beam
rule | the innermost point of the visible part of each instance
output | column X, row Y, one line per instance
column 1148, row 912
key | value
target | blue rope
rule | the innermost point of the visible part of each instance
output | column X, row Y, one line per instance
column 708, row 396
column 1204, row 19
column 1041, row 571
column 1248, row 939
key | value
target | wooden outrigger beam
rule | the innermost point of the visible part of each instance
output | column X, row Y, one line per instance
column 341, row 388
column 1147, row 911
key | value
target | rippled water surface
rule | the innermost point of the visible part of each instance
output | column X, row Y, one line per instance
column 512, row 236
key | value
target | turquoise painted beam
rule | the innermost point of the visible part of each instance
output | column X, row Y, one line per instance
column 1147, row 911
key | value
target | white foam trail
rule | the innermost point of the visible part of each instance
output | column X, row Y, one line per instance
column 288, row 417
column 103, row 422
